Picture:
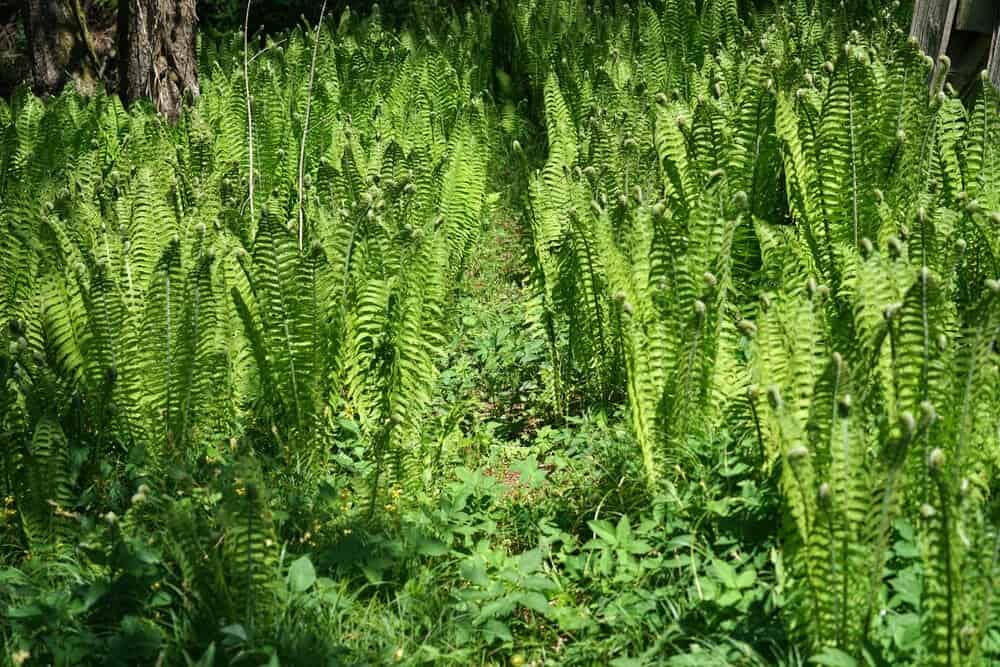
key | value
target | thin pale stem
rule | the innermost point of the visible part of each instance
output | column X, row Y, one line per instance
column 305, row 129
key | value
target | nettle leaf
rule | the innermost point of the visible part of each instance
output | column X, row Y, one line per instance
column 474, row 571
column 301, row 575
column 539, row 583
column 530, row 561
column 534, row 601
column 604, row 530
column 500, row 607
column 623, row 532
column 729, row 598
column 530, row 474
column 725, row 572
column 628, row 662
column 833, row 657
column 494, row 629
column 746, row 578
column 236, row 631
column 432, row 548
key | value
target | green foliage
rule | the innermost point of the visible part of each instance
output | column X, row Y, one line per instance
column 864, row 439
column 562, row 333
column 653, row 266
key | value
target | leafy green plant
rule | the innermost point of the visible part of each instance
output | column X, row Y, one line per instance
column 878, row 322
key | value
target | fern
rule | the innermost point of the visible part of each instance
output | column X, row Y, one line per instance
column 47, row 498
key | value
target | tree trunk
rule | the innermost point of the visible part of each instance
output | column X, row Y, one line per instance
column 51, row 29
column 157, row 53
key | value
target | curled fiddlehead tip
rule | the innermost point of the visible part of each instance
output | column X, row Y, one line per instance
column 908, row 424
column 895, row 247
column 928, row 413
column 926, row 278
column 867, row 247
column 844, row 405
column 824, row 493
column 935, row 460
column 774, row 397
column 798, row 453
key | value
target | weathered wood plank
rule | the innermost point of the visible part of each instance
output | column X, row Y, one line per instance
column 994, row 61
column 931, row 26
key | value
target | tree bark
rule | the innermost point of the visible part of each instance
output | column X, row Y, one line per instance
column 157, row 53
column 50, row 27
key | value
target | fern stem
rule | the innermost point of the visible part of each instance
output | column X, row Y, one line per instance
column 877, row 556
column 760, row 435
column 835, row 420
column 246, row 82
column 169, row 349
column 964, row 425
column 925, row 358
column 986, row 616
column 305, row 128
column 193, row 350
column 845, row 551
column 593, row 274
column 826, row 264
column 854, row 161
column 948, row 576
column 251, row 601
column 842, row 629
column 756, row 156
